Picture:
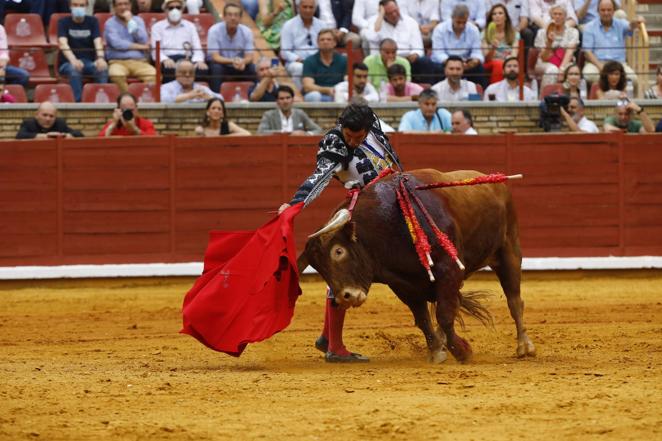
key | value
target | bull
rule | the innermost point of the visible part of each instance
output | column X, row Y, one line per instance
column 375, row 247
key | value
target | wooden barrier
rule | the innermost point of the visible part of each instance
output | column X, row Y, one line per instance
column 130, row 200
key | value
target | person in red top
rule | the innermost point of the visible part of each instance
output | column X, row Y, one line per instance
column 126, row 121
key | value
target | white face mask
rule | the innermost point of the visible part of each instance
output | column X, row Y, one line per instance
column 174, row 15
column 78, row 12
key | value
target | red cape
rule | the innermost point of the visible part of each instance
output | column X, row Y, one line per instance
column 248, row 287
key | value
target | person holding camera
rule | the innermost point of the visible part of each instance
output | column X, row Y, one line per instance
column 622, row 120
column 575, row 119
column 45, row 124
column 126, row 121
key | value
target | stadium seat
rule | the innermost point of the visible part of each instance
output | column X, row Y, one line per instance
column 25, row 30
column 102, row 17
column 144, row 93
column 100, row 93
column 593, row 94
column 202, row 24
column 34, row 61
column 17, row 91
column 531, row 63
column 52, row 26
column 551, row 89
column 150, row 18
column 229, row 88
column 56, row 93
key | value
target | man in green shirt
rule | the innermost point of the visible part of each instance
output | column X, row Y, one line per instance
column 622, row 120
column 323, row 70
column 379, row 63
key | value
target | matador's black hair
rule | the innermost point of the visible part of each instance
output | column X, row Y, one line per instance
column 357, row 117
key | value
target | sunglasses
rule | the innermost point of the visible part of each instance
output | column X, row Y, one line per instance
column 309, row 39
column 170, row 8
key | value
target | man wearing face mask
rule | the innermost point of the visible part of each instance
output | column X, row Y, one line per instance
column 81, row 48
column 127, row 45
column 507, row 90
column 126, row 121
column 575, row 119
column 179, row 39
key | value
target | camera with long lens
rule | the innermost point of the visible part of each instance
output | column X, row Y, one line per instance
column 550, row 112
column 127, row 114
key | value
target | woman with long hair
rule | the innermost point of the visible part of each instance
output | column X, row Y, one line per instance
column 612, row 81
column 557, row 46
column 500, row 41
column 571, row 82
column 655, row 91
column 215, row 122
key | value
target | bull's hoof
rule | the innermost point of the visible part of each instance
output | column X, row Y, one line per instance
column 525, row 348
column 461, row 350
column 353, row 357
column 322, row 344
column 438, row 356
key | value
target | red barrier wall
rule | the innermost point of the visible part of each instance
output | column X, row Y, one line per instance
column 155, row 199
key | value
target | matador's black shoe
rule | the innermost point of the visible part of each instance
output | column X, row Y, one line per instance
column 353, row 357
column 322, row 344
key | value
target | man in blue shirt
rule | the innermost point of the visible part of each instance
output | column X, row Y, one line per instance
column 457, row 37
column 81, row 48
column 428, row 118
column 476, row 8
column 298, row 39
column 230, row 49
column 604, row 40
column 127, row 46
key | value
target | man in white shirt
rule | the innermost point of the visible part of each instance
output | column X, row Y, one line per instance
column 183, row 89
column 361, row 86
column 507, row 90
column 179, row 39
column 389, row 23
column 454, row 88
column 575, row 119
column 463, row 123
column 337, row 15
column 426, row 14
column 298, row 39
column 539, row 12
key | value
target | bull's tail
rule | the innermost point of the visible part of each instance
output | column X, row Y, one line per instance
column 471, row 303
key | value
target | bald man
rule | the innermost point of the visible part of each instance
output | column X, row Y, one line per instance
column 45, row 124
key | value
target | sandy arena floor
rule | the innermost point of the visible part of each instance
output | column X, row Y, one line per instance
column 102, row 359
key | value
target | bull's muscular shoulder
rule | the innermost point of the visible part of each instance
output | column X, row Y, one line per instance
column 430, row 175
column 333, row 147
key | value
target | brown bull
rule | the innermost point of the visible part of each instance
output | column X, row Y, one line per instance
column 375, row 247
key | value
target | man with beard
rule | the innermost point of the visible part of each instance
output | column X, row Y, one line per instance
column 428, row 118
column 361, row 86
column 398, row 88
column 622, row 120
column 507, row 90
column 575, row 119
column 286, row 119
column 454, row 88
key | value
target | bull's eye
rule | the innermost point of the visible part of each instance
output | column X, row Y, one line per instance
column 338, row 253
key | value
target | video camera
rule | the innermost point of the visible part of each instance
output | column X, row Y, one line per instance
column 550, row 112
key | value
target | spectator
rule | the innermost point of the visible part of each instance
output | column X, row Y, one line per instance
column 539, row 13
column 46, row 8
column 337, row 15
column 126, row 121
column 388, row 23
column 655, row 92
column 658, row 127
column 193, row 6
column 557, row 46
column 360, row 101
column 127, row 46
column 216, row 123
column 428, row 118
column 5, row 96
column 426, row 14
column 507, row 90
column 612, row 81
column 251, row 7
column 179, row 40
column 398, row 88
column 271, row 17
column 604, row 40
column 230, row 49
column 387, row 57
column 12, row 74
column 267, row 86
column 361, row 86
column 463, row 122
column 286, row 119
column 81, row 48
column 457, row 37
column 183, row 89
column 572, row 82
column 622, row 120
column 299, row 38
column 518, row 11
column 362, row 12
column 500, row 41
column 476, row 7
column 454, row 88
column 587, row 11
column 575, row 119
column 323, row 70
column 45, row 124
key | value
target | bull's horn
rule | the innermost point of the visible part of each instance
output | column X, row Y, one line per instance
column 339, row 219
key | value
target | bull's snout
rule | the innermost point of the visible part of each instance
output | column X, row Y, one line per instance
column 351, row 297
